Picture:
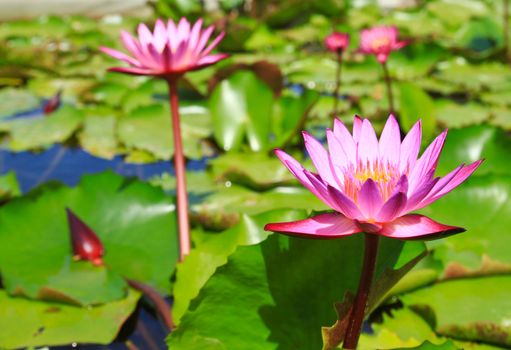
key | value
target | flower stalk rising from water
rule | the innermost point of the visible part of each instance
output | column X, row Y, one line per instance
column 168, row 53
column 337, row 43
column 380, row 41
column 372, row 186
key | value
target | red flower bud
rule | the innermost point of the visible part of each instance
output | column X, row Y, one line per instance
column 53, row 103
column 85, row 243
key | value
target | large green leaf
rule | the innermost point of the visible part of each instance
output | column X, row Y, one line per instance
column 470, row 144
column 27, row 323
column 149, row 129
column 134, row 221
column 202, row 262
column 280, row 293
column 486, row 318
column 482, row 206
column 241, row 107
column 42, row 131
column 416, row 104
column 16, row 101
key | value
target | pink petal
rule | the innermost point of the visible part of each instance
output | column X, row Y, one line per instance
column 329, row 225
column 449, row 182
column 367, row 148
column 195, row 34
column 370, row 200
column 322, row 189
column 213, row 44
column 183, row 30
column 338, row 159
column 410, row 148
column 382, row 57
column 120, row 56
column 401, row 185
column 357, row 128
column 300, row 173
column 414, row 226
column 160, row 35
column 319, row 157
column 392, row 208
column 390, row 142
column 421, row 191
column 428, row 161
column 134, row 71
column 345, row 204
column 203, row 40
column 345, row 139
column 172, row 35
column 144, row 35
column 211, row 59
column 130, row 43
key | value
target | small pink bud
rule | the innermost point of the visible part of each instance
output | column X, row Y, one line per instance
column 336, row 41
column 53, row 103
column 85, row 243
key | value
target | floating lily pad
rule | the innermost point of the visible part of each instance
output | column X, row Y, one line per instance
column 482, row 206
column 15, row 101
column 487, row 318
column 280, row 293
column 241, row 108
column 134, row 221
column 98, row 135
column 454, row 115
column 42, row 131
column 27, row 323
column 202, row 262
column 9, row 186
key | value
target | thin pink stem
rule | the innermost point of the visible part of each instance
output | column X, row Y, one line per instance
column 364, row 287
column 179, row 165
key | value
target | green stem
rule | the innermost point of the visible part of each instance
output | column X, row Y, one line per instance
column 364, row 287
column 179, row 166
column 388, row 82
column 337, row 83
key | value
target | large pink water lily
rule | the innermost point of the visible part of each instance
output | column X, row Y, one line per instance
column 380, row 41
column 169, row 50
column 372, row 184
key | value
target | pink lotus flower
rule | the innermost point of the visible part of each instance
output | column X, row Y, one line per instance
column 380, row 41
column 337, row 41
column 169, row 51
column 373, row 185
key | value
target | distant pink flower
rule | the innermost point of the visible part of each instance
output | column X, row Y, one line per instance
column 169, row 50
column 373, row 185
column 337, row 41
column 380, row 41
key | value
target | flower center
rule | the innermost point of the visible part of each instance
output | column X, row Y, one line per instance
column 384, row 175
column 379, row 43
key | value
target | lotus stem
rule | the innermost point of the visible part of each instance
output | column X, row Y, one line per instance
column 388, row 82
column 179, row 166
column 364, row 287
column 337, row 82
column 161, row 306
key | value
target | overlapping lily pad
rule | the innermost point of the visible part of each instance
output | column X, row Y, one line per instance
column 134, row 221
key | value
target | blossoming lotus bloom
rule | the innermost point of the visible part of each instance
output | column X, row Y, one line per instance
column 337, row 41
column 380, row 41
column 373, row 185
column 169, row 51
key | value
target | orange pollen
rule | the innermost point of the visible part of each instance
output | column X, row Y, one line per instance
column 385, row 176
column 378, row 43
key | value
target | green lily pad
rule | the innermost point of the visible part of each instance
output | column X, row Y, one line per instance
column 42, row 131
column 9, row 186
column 280, row 293
column 28, row 323
column 149, row 129
column 481, row 206
column 202, row 262
column 134, row 221
column 17, row 100
column 416, row 104
column 470, row 144
column 456, row 115
column 241, row 107
column 456, row 13
column 487, row 318
column 98, row 134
